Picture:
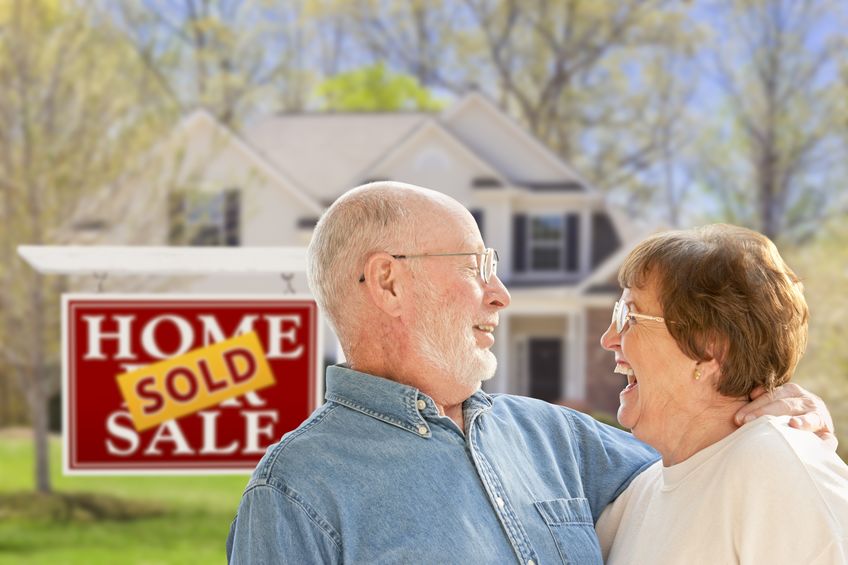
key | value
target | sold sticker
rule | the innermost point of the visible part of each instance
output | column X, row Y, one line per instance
column 195, row 380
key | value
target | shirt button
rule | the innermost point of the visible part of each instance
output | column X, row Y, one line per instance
column 422, row 430
column 422, row 405
column 500, row 502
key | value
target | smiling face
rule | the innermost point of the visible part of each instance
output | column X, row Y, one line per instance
column 659, row 374
column 454, row 313
column 457, row 340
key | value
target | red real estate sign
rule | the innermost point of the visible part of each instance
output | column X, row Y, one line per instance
column 104, row 336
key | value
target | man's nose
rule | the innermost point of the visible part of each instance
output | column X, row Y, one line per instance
column 496, row 293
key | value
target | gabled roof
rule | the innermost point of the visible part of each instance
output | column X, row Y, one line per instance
column 566, row 178
column 91, row 213
column 247, row 149
column 435, row 128
column 324, row 151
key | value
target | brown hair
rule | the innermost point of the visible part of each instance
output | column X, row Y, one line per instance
column 727, row 294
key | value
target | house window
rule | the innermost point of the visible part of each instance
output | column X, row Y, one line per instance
column 205, row 218
column 546, row 243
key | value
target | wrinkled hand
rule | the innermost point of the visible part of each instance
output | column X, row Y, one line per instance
column 808, row 411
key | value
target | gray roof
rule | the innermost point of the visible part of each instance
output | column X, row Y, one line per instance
column 324, row 153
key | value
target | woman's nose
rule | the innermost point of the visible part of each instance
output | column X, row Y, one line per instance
column 610, row 338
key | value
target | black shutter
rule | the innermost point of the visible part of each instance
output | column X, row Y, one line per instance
column 232, row 217
column 176, row 218
column 519, row 243
column 605, row 240
column 572, row 242
column 478, row 217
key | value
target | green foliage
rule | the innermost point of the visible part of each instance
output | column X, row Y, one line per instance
column 77, row 111
column 822, row 265
column 374, row 88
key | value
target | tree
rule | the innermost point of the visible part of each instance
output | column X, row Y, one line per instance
column 75, row 108
column 654, row 183
column 374, row 88
column 230, row 57
column 822, row 265
column 419, row 37
column 581, row 76
column 771, row 150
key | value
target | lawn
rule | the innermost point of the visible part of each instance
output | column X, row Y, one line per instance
column 194, row 514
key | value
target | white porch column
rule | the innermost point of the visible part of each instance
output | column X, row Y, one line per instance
column 575, row 354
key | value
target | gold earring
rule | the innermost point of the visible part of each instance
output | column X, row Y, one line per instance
column 697, row 373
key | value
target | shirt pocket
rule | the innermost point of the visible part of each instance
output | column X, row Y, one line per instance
column 571, row 525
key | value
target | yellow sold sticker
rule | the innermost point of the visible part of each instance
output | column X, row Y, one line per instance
column 195, row 380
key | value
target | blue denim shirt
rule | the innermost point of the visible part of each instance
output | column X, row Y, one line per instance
column 376, row 475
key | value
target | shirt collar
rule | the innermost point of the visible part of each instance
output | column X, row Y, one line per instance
column 390, row 401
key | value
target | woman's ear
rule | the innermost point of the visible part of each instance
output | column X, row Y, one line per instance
column 711, row 370
column 383, row 283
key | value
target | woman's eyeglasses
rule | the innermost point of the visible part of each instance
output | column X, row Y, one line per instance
column 623, row 317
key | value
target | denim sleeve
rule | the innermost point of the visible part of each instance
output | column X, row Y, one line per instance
column 609, row 459
column 276, row 525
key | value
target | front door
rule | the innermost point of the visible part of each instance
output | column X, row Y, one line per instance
column 546, row 369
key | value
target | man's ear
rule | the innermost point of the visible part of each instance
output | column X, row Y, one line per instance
column 383, row 284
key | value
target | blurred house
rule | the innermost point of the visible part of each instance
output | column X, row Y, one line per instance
column 559, row 245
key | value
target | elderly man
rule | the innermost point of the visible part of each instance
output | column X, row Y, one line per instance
column 409, row 461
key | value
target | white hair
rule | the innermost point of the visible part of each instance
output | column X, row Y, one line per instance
column 367, row 219
column 439, row 337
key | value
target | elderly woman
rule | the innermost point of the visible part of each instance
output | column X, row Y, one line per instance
column 706, row 317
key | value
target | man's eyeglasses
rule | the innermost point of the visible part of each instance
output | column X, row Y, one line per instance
column 487, row 262
column 623, row 317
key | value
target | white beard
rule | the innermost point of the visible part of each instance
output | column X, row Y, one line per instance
column 445, row 336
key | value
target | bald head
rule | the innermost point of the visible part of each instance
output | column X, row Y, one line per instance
column 380, row 216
